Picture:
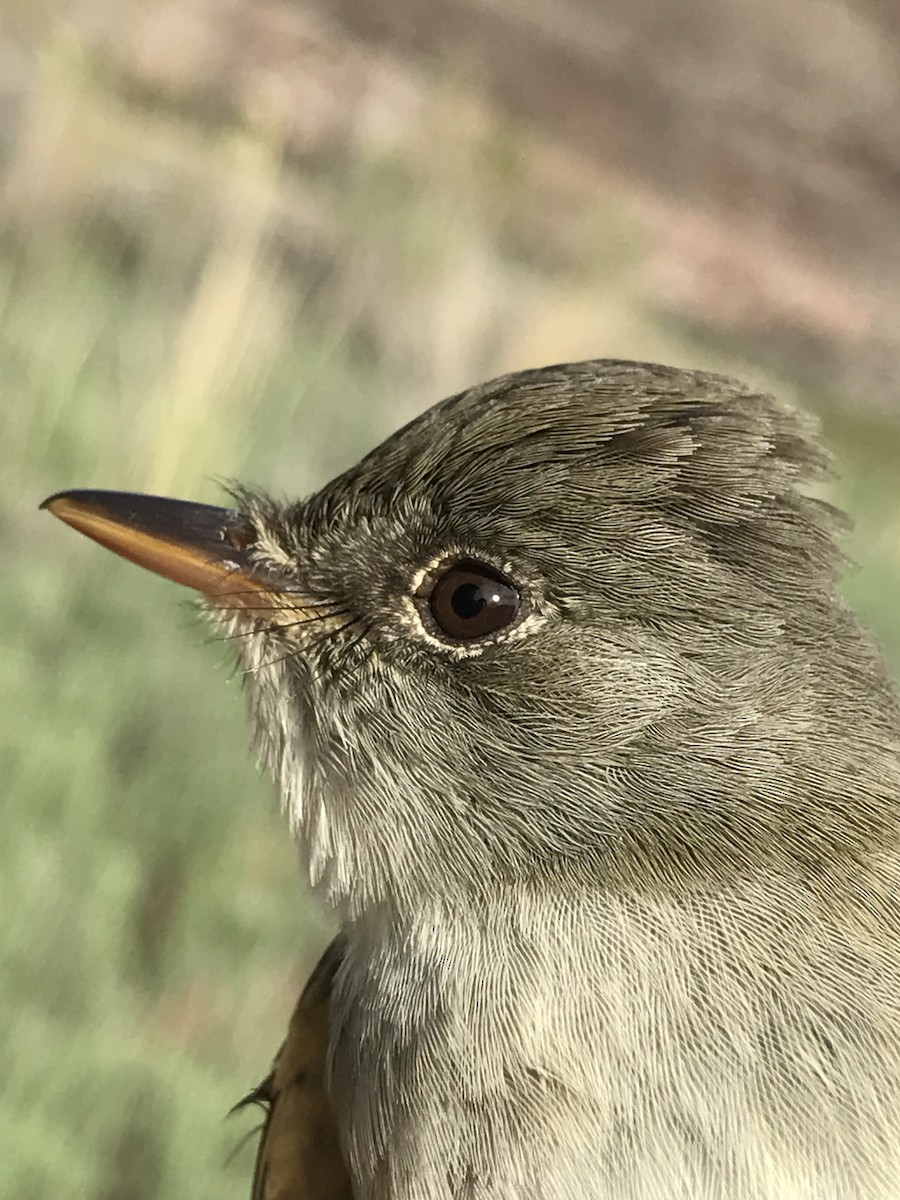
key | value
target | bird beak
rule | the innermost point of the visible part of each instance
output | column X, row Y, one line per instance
column 195, row 544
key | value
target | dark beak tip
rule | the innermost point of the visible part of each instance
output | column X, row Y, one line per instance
column 62, row 504
column 51, row 500
column 78, row 496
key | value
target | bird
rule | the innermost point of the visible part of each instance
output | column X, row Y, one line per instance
column 299, row 1153
column 599, row 772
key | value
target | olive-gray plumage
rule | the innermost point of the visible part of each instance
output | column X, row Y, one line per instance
column 618, row 880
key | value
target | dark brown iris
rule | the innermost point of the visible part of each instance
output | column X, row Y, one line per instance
column 472, row 600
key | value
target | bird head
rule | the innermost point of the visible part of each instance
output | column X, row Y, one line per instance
column 575, row 626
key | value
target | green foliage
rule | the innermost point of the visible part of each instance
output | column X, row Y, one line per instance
column 155, row 929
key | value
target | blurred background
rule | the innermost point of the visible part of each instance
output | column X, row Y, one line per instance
column 248, row 238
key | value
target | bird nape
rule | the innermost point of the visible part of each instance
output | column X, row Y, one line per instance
column 602, row 777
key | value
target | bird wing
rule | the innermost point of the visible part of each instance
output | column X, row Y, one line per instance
column 299, row 1157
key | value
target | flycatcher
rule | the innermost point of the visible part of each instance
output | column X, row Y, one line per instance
column 602, row 776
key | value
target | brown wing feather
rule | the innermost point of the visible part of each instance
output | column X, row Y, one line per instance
column 299, row 1157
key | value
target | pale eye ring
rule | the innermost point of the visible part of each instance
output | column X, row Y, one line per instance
column 469, row 600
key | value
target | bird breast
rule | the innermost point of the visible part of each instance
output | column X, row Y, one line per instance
column 601, row 1047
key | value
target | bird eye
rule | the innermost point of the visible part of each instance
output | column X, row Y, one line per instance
column 471, row 600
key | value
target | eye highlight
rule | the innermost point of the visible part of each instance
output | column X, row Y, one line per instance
column 470, row 600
